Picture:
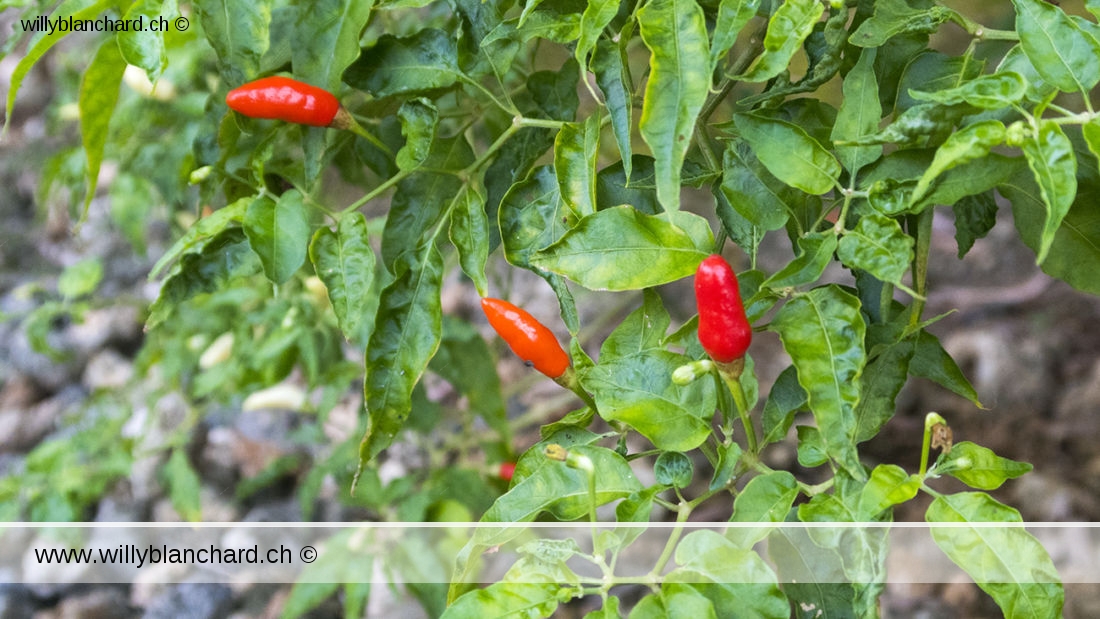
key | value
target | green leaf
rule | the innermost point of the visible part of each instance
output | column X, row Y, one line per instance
column 326, row 39
column 879, row 246
column 967, row 144
column 816, row 253
column 425, row 61
column 576, row 150
column 978, row 467
column 42, row 42
column 931, row 361
column 597, row 16
column 788, row 27
column 279, row 233
column 407, row 332
column 732, row 17
column 736, row 580
column 789, row 153
column 144, row 48
column 637, row 390
column 204, row 230
column 564, row 491
column 183, row 486
column 889, row 485
column 417, row 207
column 532, row 216
column 811, row 447
column 674, row 601
column 932, row 71
column 1074, row 256
column 220, row 259
column 989, row 92
column 506, row 599
column 974, row 177
column 1051, row 159
column 766, row 498
column 644, row 329
column 1016, row 61
column 344, row 261
column 675, row 32
column 1007, row 562
column 882, row 380
column 896, row 17
column 752, row 191
column 649, row 250
column 728, row 458
column 470, row 236
column 80, row 278
column 418, row 122
column 1091, row 133
column 239, row 33
column 786, row 398
column 1062, row 53
column 674, row 469
column 823, row 332
column 859, row 114
column 98, row 97
column 612, row 78
column 975, row 216
column 464, row 360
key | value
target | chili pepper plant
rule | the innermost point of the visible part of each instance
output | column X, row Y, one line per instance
column 612, row 149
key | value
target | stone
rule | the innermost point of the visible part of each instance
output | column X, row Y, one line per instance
column 191, row 601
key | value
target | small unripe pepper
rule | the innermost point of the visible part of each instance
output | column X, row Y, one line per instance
column 282, row 98
column 527, row 337
column 724, row 330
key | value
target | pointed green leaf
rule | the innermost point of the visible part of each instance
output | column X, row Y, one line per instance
column 732, row 17
column 766, row 498
column 1063, row 53
column 1007, row 562
column 418, row 122
column 823, row 332
column 1091, row 133
column 990, row 92
column 754, row 192
column 239, row 34
column 816, row 253
column 859, row 113
column 975, row 177
column 98, row 97
column 470, row 236
column 736, row 580
column 204, row 230
column 506, row 599
column 675, row 32
column 597, row 16
column 649, row 250
column 611, row 77
column 644, row 329
column 407, row 332
column 144, row 48
column 564, row 491
column 1051, row 159
column 881, row 382
column 418, row 205
column 879, row 246
column 789, row 153
column 811, row 447
column 326, row 39
column 220, row 259
column 1074, row 256
column 425, row 61
column 788, row 27
column 931, row 361
column 279, row 233
column 637, row 390
column 896, row 17
column 42, row 42
column 978, row 467
column 975, row 216
column 786, row 398
column 576, row 151
column 532, row 216
column 344, row 261
column 889, row 485
column 967, row 144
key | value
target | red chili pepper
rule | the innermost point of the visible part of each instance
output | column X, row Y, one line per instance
column 281, row 98
column 527, row 337
column 507, row 470
column 724, row 330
